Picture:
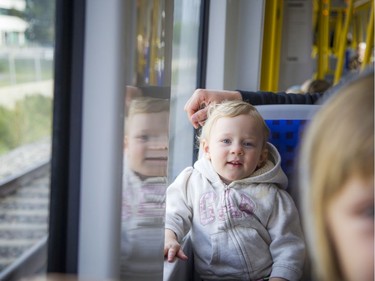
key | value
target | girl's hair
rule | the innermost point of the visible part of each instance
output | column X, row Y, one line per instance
column 232, row 109
column 146, row 105
column 338, row 144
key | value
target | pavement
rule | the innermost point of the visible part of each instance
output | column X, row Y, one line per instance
column 9, row 95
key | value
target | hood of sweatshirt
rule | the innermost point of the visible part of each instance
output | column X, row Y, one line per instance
column 270, row 173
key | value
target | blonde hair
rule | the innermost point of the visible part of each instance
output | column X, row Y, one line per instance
column 232, row 109
column 146, row 105
column 338, row 144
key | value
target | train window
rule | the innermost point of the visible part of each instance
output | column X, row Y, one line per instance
column 26, row 93
column 146, row 142
column 185, row 66
column 156, row 147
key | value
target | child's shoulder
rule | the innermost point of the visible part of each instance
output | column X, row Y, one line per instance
column 270, row 189
column 190, row 175
column 185, row 174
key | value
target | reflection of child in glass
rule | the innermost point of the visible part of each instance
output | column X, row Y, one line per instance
column 144, row 185
column 146, row 136
column 243, row 225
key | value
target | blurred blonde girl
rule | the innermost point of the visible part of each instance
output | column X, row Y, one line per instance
column 337, row 180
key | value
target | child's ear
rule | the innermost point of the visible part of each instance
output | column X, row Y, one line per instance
column 205, row 148
column 126, row 142
column 263, row 157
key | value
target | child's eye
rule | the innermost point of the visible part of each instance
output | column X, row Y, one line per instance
column 143, row 138
column 368, row 212
column 247, row 144
column 226, row 141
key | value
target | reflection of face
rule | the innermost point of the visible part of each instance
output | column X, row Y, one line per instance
column 350, row 220
column 147, row 144
column 235, row 147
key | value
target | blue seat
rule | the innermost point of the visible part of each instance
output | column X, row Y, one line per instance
column 285, row 135
column 286, row 123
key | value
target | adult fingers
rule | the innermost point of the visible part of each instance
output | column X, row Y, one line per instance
column 198, row 118
column 195, row 102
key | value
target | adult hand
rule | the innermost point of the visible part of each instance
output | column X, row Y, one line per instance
column 196, row 107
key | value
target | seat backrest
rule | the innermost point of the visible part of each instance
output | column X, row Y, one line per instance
column 286, row 123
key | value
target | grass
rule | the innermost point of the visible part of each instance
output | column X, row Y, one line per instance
column 28, row 121
column 26, row 70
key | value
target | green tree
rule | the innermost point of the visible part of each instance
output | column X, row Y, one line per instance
column 40, row 14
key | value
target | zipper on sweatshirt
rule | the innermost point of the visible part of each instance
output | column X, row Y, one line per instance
column 231, row 229
column 225, row 204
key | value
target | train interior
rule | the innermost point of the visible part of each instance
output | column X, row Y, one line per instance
column 82, row 63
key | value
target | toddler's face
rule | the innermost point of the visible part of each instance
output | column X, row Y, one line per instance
column 235, row 147
column 350, row 221
column 146, row 144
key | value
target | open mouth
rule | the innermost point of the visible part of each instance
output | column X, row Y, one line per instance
column 235, row 163
column 156, row 158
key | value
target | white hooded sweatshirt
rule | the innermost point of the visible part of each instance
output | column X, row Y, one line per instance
column 247, row 230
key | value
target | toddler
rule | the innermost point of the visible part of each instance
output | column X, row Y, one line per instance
column 243, row 224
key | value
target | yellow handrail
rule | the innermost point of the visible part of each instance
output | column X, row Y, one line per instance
column 369, row 38
column 271, row 46
column 154, row 42
column 323, row 38
column 338, row 28
column 342, row 45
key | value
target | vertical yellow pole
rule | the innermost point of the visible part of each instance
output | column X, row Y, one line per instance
column 342, row 45
column 141, row 38
column 338, row 29
column 362, row 28
column 154, row 41
column 315, row 13
column 323, row 38
column 277, row 49
column 361, row 9
column 315, row 19
column 369, row 38
column 355, row 30
column 271, row 48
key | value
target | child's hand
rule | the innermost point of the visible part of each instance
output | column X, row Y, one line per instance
column 172, row 248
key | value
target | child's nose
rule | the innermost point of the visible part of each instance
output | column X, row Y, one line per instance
column 237, row 149
column 159, row 143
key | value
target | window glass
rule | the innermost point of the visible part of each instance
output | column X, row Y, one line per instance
column 186, row 26
column 147, row 101
column 26, row 93
column 163, row 60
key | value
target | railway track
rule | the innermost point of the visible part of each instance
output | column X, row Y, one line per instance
column 24, row 212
